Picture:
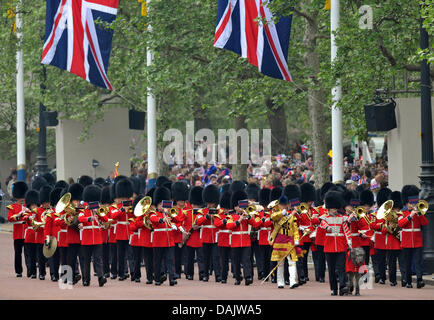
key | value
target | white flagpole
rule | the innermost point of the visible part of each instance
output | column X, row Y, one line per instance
column 337, row 154
column 21, row 142
column 151, row 127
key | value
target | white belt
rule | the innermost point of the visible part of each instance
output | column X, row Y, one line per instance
column 18, row 222
column 410, row 230
column 25, row 232
column 225, row 231
column 29, row 228
column 86, row 227
column 268, row 229
column 240, row 232
column 162, row 229
column 304, row 227
column 334, row 234
column 208, row 226
column 378, row 232
column 58, row 233
column 123, row 222
column 354, row 234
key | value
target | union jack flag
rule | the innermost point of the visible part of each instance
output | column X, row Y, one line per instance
column 264, row 45
column 73, row 41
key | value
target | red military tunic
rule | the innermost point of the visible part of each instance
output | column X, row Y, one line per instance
column 319, row 232
column 411, row 236
column 304, row 222
column 40, row 231
column 335, row 239
column 223, row 234
column 112, row 229
column 51, row 229
column 122, row 227
column 135, row 229
column 20, row 225
column 29, row 233
column 162, row 234
column 177, row 235
column 240, row 236
column 265, row 228
column 208, row 231
column 390, row 241
column 62, row 233
column 193, row 217
column 72, row 235
column 90, row 234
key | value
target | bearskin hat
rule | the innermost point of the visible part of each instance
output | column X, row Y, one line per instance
column 49, row 178
column 334, row 200
column 211, row 194
column 367, row 198
column 275, row 193
column 55, row 196
column 225, row 201
column 61, row 184
column 225, row 188
column 237, row 196
column 252, row 191
column 85, row 180
column 38, row 182
column 237, row 185
column 351, row 198
column 383, row 195
column 119, row 178
column 160, row 194
column 325, row 188
column 292, row 191
column 44, row 194
column 195, row 196
column 307, row 192
column 124, row 188
column 99, row 181
column 283, row 199
column 19, row 189
column 91, row 193
column 76, row 191
column 168, row 185
column 32, row 197
column 161, row 180
column 105, row 196
column 264, row 197
column 319, row 200
column 136, row 184
column 407, row 191
column 395, row 196
column 150, row 192
column 179, row 191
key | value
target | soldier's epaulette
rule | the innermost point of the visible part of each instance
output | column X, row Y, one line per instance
column 257, row 219
column 48, row 215
column 10, row 207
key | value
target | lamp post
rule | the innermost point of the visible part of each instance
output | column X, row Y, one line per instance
column 41, row 163
column 427, row 174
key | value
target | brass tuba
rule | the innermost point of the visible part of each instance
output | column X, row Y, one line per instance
column 144, row 207
column 422, row 206
column 64, row 204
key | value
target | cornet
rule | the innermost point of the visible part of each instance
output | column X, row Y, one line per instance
column 422, row 206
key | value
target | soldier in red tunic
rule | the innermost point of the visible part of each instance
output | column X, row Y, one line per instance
column 192, row 223
column 208, row 232
column 264, row 252
column 105, row 202
column 223, row 235
column 410, row 222
column 44, row 200
column 90, row 235
column 30, row 244
column 15, row 215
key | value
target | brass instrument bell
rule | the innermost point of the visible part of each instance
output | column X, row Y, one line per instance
column 422, row 206
column 143, row 206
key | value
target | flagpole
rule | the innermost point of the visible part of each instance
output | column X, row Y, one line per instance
column 21, row 143
column 151, row 125
column 337, row 154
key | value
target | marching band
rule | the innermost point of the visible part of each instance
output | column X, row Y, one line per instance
column 116, row 228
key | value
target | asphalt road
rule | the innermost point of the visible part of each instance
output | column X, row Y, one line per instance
column 12, row 288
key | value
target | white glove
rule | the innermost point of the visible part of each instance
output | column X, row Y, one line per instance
column 174, row 227
column 297, row 243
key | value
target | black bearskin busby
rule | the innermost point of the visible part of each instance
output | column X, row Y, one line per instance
column 264, row 197
column 19, row 190
column 55, row 196
column 237, row 196
column 124, row 188
column 32, row 197
column 407, row 191
column 76, row 191
column 334, row 200
column 38, row 183
column 211, row 194
column 307, row 192
column 252, row 191
column 383, row 195
column 195, row 196
column 225, row 201
column 366, row 198
column 160, row 194
column 105, row 196
column 91, row 193
column 179, row 191
column 44, row 194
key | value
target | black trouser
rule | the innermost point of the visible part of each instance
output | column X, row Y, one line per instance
column 178, row 259
column 168, row 255
column 263, row 256
column 306, row 246
column 336, row 267
column 129, row 260
column 54, row 263
column 409, row 254
column 254, row 248
column 189, row 268
column 63, row 253
column 30, row 249
column 122, row 248
column 401, row 262
column 210, row 255
column 367, row 250
column 113, row 259
column 149, row 263
column 319, row 262
column 392, row 257
column 300, row 270
column 72, row 253
column 42, row 261
column 241, row 255
column 18, row 249
column 137, row 257
column 224, row 253
column 87, row 252
column 106, row 258
column 381, row 263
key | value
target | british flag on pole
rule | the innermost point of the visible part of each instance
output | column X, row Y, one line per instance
column 264, row 45
column 74, row 42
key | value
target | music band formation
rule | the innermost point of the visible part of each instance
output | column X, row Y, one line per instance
column 174, row 226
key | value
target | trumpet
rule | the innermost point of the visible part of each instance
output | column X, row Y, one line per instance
column 253, row 210
column 422, row 206
column 360, row 212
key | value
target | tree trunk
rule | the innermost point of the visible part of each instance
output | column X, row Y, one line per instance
column 279, row 132
column 239, row 171
column 201, row 119
column 315, row 102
